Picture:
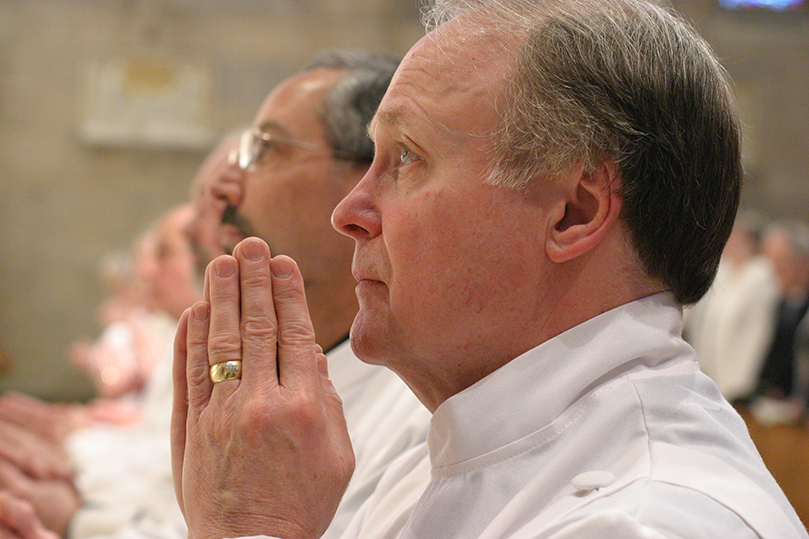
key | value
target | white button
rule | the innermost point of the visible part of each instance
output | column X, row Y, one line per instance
column 593, row 480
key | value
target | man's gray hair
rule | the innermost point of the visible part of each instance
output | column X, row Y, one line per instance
column 352, row 102
column 628, row 81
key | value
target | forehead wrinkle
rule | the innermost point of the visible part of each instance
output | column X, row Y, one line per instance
column 402, row 112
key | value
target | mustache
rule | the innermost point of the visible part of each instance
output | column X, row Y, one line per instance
column 232, row 217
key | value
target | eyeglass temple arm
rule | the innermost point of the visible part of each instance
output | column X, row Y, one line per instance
column 267, row 137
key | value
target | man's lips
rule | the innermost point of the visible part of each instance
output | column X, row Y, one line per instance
column 366, row 280
column 368, row 287
column 363, row 275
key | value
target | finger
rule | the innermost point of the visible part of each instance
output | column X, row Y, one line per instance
column 297, row 358
column 20, row 520
column 206, row 283
column 17, row 515
column 197, row 344
column 50, row 467
column 224, row 337
column 179, row 413
column 332, row 398
column 32, row 454
column 258, row 321
column 9, row 445
column 11, row 478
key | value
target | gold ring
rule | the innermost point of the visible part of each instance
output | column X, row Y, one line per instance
column 227, row 370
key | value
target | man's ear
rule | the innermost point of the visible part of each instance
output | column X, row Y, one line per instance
column 585, row 212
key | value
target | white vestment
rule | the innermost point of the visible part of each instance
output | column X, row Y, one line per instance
column 620, row 395
column 731, row 328
column 123, row 474
column 384, row 420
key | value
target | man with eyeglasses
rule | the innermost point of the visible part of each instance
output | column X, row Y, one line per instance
column 308, row 147
column 280, row 181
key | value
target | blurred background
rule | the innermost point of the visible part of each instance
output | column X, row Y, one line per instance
column 107, row 108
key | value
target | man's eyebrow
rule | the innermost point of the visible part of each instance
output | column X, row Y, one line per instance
column 388, row 117
column 272, row 126
column 399, row 117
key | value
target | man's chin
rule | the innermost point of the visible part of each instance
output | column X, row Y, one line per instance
column 230, row 236
column 366, row 338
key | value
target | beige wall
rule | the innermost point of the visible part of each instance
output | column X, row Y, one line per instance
column 65, row 202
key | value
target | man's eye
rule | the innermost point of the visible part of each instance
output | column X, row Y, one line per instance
column 406, row 156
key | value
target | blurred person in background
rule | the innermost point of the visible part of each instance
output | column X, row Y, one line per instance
column 139, row 319
column 220, row 166
column 136, row 326
column 134, row 332
column 779, row 394
column 122, row 358
column 105, row 458
column 731, row 326
column 132, row 494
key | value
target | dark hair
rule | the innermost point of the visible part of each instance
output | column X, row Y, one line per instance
column 352, row 102
column 630, row 81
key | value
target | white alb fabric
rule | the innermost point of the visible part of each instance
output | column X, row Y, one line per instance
column 621, row 393
column 384, row 420
column 123, row 474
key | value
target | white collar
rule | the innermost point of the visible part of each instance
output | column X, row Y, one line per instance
column 533, row 389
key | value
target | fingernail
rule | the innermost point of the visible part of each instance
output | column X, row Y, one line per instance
column 282, row 267
column 224, row 266
column 252, row 250
column 201, row 311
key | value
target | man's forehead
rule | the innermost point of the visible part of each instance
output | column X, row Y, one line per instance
column 470, row 43
column 298, row 97
column 462, row 64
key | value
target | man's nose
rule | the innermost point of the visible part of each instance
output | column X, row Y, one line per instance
column 228, row 189
column 357, row 216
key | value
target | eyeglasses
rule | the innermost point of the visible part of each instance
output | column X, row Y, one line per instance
column 254, row 142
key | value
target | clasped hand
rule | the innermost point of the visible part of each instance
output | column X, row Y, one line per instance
column 267, row 454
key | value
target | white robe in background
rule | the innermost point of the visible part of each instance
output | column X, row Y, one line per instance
column 732, row 327
column 621, row 393
column 384, row 420
column 123, row 474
